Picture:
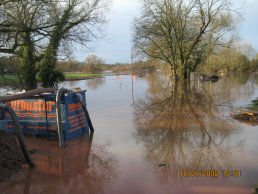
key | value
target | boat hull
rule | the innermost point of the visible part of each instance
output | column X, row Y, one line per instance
column 37, row 115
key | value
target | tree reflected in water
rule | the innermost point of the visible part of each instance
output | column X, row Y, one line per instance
column 182, row 127
column 95, row 82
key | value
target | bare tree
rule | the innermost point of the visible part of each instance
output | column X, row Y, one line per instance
column 93, row 63
column 183, row 32
column 20, row 34
column 77, row 21
column 35, row 30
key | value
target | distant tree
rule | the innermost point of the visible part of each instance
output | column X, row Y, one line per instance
column 183, row 33
column 247, row 50
column 254, row 64
column 223, row 60
column 68, row 66
column 94, row 63
column 229, row 59
column 243, row 64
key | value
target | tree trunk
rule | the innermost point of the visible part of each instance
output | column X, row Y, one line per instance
column 49, row 76
column 47, row 64
column 27, row 63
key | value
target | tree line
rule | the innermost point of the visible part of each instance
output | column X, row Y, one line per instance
column 184, row 35
column 95, row 64
column 230, row 60
column 92, row 65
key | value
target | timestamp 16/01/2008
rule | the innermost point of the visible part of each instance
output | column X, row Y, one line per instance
column 209, row 173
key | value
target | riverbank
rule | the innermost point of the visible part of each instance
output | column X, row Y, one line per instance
column 11, row 158
column 80, row 76
column 11, row 79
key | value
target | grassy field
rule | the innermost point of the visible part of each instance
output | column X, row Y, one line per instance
column 79, row 75
column 8, row 79
column 12, row 78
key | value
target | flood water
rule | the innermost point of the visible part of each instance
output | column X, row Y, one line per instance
column 148, row 134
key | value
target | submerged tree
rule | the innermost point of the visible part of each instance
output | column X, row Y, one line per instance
column 183, row 33
column 184, row 127
column 34, row 31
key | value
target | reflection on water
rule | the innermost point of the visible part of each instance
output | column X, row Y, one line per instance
column 187, row 125
column 147, row 129
column 236, row 89
column 182, row 127
column 78, row 168
column 95, row 82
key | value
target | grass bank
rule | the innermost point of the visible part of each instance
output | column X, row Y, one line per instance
column 79, row 76
column 11, row 79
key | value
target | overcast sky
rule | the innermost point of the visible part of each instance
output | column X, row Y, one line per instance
column 118, row 41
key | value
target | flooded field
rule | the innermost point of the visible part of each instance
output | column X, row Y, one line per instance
column 151, row 137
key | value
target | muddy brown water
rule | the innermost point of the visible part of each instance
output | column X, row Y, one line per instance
column 151, row 137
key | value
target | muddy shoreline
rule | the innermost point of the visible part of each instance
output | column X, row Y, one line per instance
column 11, row 158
